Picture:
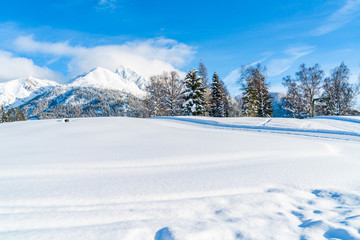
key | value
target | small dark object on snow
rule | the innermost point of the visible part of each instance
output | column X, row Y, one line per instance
column 66, row 120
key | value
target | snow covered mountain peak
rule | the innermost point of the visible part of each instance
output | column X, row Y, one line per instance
column 22, row 88
column 99, row 77
column 129, row 74
column 17, row 92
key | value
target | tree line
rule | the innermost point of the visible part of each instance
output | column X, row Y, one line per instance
column 309, row 93
column 168, row 95
column 11, row 115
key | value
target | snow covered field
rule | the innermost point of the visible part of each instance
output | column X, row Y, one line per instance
column 180, row 178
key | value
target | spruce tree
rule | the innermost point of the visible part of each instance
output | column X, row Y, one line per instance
column 207, row 93
column 193, row 95
column 20, row 115
column 217, row 98
column 256, row 97
column 11, row 115
column 228, row 108
column 250, row 102
column 3, row 115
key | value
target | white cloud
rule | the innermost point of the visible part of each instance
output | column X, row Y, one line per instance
column 107, row 3
column 280, row 65
column 339, row 18
column 147, row 57
column 274, row 66
column 12, row 67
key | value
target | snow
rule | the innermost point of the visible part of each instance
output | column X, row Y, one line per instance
column 180, row 178
column 18, row 91
column 22, row 88
column 125, row 80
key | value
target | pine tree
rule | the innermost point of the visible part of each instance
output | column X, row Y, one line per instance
column 207, row 93
column 203, row 73
column 11, row 115
column 256, row 97
column 19, row 115
column 217, row 98
column 3, row 115
column 250, row 102
column 228, row 108
column 193, row 95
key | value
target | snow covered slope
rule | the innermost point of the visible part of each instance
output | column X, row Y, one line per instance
column 180, row 178
column 20, row 90
column 122, row 80
column 130, row 75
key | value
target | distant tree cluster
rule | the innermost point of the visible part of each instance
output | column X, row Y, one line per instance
column 11, row 115
column 311, row 93
column 84, row 102
column 168, row 95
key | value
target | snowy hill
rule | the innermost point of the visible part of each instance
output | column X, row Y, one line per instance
column 20, row 90
column 123, row 80
column 181, row 178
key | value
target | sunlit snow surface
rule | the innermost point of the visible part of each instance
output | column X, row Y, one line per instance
column 180, row 178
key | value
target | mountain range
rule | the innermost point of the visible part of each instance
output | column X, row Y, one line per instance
column 98, row 92
column 17, row 92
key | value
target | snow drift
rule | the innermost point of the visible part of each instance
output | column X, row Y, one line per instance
column 180, row 178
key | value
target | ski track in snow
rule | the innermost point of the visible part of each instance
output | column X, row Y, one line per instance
column 264, row 127
column 180, row 179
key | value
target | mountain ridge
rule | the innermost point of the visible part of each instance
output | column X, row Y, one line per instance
column 17, row 92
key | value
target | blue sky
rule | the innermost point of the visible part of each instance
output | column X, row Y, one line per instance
column 60, row 39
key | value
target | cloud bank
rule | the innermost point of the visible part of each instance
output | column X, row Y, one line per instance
column 12, row 67
column 146, row 57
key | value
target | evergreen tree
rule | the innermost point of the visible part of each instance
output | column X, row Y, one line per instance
column 217, row 97
column 203, row 73
column 3, row 115
column 256, row 100
column 193, row 95
column 11, row 115
column 20, row 115
column 228, row 108
column 250, row 101
column 207, row 93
